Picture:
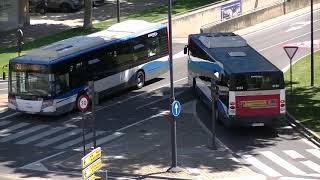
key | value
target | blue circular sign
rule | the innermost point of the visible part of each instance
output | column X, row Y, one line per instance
column 176, row 108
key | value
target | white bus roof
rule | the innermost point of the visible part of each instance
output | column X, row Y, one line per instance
column 124, row 30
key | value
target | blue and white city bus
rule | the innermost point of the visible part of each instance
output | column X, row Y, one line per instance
column 50, row 79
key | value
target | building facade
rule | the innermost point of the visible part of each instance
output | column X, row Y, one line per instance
column 13, row 14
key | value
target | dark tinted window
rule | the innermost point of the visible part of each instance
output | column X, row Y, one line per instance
column 257, row 82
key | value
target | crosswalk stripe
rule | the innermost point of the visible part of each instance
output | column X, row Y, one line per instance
column 58, row 138
column 281, row 162
column 261, row 166
column 3, row 123
column 23, row 133
column 103, row 140
column 12, row 128
column 77, row 140
column 293, row 154
column 41, row 135
column 314, row 152
column 311, row 165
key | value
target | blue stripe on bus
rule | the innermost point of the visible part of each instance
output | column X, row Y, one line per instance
column 71, row 92
column 205, row 66
column 155, row 65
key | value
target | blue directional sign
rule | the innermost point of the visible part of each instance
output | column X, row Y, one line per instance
column 176, row 108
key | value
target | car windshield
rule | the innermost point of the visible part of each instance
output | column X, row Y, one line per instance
column 30, row 83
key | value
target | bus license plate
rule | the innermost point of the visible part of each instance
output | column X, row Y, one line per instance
column 257, row 124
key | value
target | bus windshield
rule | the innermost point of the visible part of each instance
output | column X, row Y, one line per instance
column 30, row 83
column 258, row 82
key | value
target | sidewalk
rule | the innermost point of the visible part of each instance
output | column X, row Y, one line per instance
column 145, row 151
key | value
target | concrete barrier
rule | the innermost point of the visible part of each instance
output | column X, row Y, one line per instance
column 256, row 16
column 253, row 11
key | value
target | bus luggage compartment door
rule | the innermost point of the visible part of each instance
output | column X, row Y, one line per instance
column 258, row 105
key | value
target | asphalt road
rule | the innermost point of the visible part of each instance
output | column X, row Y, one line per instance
column 28, row 138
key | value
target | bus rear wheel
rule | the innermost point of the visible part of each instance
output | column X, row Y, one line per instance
column 140, row 79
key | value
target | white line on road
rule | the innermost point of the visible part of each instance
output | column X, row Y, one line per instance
column 281, row 162
column 41, row 135
column 4, row 132
column 39, row 161
column 287, row 41
column 10, row 115
column 163, row 113
column 314, row 152
column 58, row 138
column 77, row 140
column 3, row 89
column 23, row 133
column 311, row 165
column 282, row 22
column 122, row 101
column 293, row 154
column 156, row 101
column 261, row 166
column 309, row 143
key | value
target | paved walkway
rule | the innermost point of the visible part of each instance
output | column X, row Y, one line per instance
column 52, row 23
column 144, row 150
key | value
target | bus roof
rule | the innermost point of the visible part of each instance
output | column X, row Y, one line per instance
column 80, row 44
column 233, row 52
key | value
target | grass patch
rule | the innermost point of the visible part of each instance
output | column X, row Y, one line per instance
column 156, row 14
column 304, row 103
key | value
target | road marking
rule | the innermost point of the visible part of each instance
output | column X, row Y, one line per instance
column 293, row 154
column 282, row 22
column 156, row 101
column 12, row 128
column 132, row 97
column 3, row 123
column 41, row 135
column 311, row 165
column 102, row 140
column 58, row 138
column 77, row 140
column 10, row 115
column 3, row 89
column 287, row 40
column 281, row 162
column 37, row 165
column 163, row 113
column 23, row 133
column 261, row 166
column 314, row 152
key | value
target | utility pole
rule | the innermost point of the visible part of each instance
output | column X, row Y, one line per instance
column 312, row 55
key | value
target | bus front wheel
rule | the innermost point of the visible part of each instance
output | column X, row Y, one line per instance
column 140, row 79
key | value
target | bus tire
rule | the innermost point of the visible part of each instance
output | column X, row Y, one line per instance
column 140, row 79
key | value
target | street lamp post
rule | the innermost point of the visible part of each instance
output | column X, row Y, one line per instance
column 312, row 55
column 174, row 167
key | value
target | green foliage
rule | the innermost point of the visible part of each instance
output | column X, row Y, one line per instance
column 304, row 103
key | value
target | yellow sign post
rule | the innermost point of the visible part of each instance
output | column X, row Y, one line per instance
column 91, row 169
column 91, row 157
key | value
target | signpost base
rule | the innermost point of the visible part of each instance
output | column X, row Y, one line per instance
column 174, row 169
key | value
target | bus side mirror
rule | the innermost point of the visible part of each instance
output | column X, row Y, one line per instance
column 185, row 50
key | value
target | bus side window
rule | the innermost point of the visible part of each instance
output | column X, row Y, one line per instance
column 153, row 46
column 124, row 53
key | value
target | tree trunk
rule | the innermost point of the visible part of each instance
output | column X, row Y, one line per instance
column 87, row 21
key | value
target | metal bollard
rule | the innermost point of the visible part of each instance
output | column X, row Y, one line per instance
column 4, row 75
column 101, row 175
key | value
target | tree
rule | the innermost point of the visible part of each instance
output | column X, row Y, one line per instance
column 87, row 20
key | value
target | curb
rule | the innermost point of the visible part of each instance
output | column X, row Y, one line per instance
column 307, row 133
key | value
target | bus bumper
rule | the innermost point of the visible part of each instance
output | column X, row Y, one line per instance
column 269, row 121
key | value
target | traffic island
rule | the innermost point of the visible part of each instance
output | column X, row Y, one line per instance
column 144, row 151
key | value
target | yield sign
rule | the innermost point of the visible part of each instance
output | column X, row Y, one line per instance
column 290, row 51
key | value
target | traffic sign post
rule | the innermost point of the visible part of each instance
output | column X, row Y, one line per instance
column 214, row 94
column 91, row 163
column 290, row 51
